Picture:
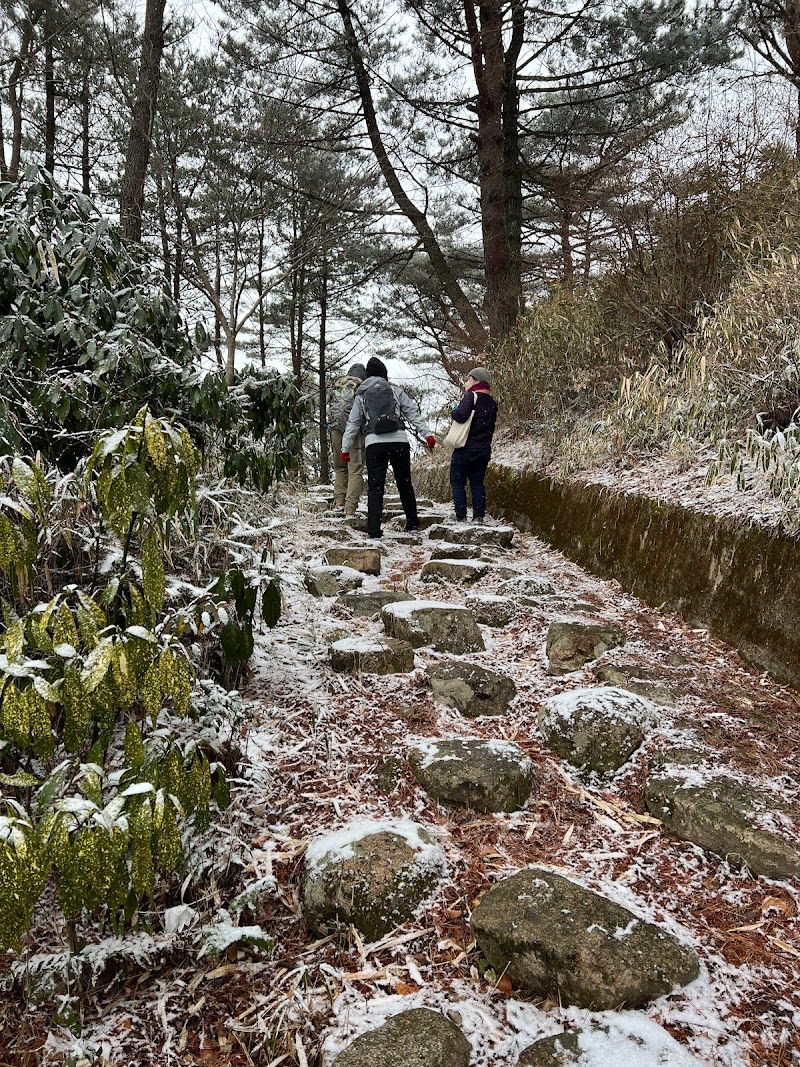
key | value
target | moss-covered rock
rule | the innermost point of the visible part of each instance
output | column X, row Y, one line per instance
column 445, row 627
column 372, row 876
column 416, row 1038
column 469, row 688
column 596, row 729
column 485, row 775
column 732, row 819
column 570, row 645
column 556, row 939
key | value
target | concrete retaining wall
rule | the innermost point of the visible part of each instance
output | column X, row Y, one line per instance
column 741, row 583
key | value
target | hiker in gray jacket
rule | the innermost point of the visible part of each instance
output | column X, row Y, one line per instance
column 381, row 410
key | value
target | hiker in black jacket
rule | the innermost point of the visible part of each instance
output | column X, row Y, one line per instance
column 381, row 410
column 470, row 462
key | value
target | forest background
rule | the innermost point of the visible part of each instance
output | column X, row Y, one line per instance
column 601, row 202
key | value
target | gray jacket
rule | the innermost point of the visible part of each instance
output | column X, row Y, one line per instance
column 409, row 413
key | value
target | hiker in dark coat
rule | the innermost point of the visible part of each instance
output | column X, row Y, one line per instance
column 470, row 462
column 381, row 410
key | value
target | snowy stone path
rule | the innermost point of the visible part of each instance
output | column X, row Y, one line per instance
column 329, row 750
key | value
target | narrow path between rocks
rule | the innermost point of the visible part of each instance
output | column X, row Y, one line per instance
column 648, row 791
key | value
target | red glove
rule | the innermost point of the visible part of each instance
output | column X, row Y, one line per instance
column 431, row 441
column 345, row 457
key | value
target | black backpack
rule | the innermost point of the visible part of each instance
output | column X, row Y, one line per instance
column 380, row 404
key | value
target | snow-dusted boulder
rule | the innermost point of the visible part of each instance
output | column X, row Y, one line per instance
column 463, row 571
column 502, row 536
column 332, row 581
column 449, row 551
column 366, row 559
column 596, row 729
column 556, row 939
column 369, row 602
column 735, row 820
column 492, row 610
column 572, row 644
column 474, row 773
column 626, row 1039
column 372, row 655
column 371, row 875
column 470, row 689
column 527, row 589
column 445, row 627
column 418, row 1037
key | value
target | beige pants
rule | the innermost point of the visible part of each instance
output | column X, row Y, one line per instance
column 349, row 477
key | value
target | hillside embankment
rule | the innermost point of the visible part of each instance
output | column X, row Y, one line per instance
column 727, row 573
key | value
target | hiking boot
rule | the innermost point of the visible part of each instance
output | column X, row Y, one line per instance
column 479, row 519
column 349, row 513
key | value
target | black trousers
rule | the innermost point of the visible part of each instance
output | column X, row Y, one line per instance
column 378, row 459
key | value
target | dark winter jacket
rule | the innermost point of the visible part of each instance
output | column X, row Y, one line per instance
column 482, row 428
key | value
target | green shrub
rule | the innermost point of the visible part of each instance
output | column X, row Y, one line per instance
column 87, row 337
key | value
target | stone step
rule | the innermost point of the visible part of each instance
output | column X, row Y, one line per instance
column 445, row 627
column 556, row 939
column 463, row 571
column 473, row 534
column 492, row 610
column 372, row 655
column 331, row 581
column 735, row 820
column 570, row 645
column 364, row 558
column 474, row 773
column 369, row 602
column 598, row 728
column 469, row 688
column 371, row 875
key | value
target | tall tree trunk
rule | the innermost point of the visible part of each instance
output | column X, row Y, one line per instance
column 475, row 334
column 49, row 101
column 262, row 345
column 86, row 104
column 16, row 84
column 3, row 166
column 568, row 260
column 164, row 232
column 137, row 156
column 499, row 167
column 218, row 294
column 324, row 466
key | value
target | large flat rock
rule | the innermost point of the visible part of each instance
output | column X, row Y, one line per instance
column 416, row 1038
column 553, row 938
column 371, row 875
column 463, row 571
column 369, row 602
column 502, row 536
column 597, row 728
column 528, row 589
column 450, row 551
column 372, row 655
column 733, row 819
column 445, row 627
column 474, row 773
column 332, row 581
column 492, row 610
column 469, row 688
column 366, row 559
